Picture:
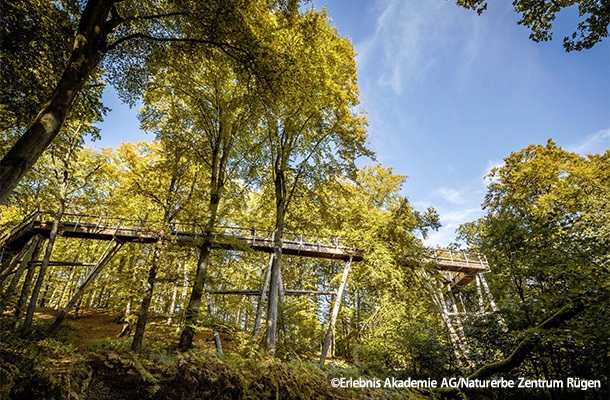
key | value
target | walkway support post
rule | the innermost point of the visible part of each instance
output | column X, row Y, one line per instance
column 110, row 251
column 261, row 303
column 335, row 312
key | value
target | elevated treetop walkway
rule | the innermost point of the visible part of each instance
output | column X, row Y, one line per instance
column 458, row 268
column 127, row 230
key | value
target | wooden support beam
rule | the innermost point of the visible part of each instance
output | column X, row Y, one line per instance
column 288, row 292
column 494, row 307
column 310, row 293
column 64, row 263
column 110, row 251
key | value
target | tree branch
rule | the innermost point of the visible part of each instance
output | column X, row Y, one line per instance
column 222, row 46
column 529, row 343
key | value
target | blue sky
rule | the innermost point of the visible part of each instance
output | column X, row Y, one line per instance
column 449, row 94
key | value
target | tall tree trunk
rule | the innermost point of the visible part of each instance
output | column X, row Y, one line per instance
column 333, row 316
column 192, row 309
column 138, row 335
column 274, row 287
column 45, row 263
column 88, row 50
column 127, row 321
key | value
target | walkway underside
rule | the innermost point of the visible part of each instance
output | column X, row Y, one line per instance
column 460, row 268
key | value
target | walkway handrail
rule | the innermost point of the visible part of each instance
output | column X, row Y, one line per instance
column 459, row 257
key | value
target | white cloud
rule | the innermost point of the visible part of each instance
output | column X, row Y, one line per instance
column 595, row 143
column 450, row 195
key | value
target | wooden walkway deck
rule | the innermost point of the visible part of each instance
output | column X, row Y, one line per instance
column 142, row 231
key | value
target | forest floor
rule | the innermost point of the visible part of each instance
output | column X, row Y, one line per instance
column 87, row 360
column 98, row 324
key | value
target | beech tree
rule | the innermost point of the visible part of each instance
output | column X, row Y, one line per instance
column 310, row 125
column 128, row 30
column 202, row 106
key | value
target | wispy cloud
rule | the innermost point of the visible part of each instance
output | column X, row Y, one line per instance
column 595, row 143
column 457, row 205
column 451, row 222
column 400, row 44
column 451, row 195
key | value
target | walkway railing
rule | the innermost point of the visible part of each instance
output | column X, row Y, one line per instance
column 459, row 258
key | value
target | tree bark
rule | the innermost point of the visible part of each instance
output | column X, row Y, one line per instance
column 88, row 50
column 217, row 178
column 261, row 303
column 274, row 286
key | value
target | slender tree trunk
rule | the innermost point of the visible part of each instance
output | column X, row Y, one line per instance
column 78, row 307
column 212, row 313
column 138, row 335
column 87, row 51
column 172, row 305
column 333, row 316
column 192, row 309
column 261, row 303
column 45, row 263
column 185, row 287
column 64, row 290
column 8, row 293
column 274, row 286
column 280, row 216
